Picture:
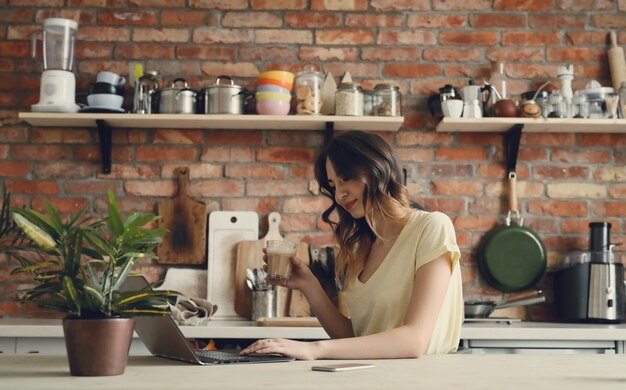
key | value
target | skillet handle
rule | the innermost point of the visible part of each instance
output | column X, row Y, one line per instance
column 513, row 193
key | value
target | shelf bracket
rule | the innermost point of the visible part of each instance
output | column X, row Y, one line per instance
column 329, row 132
column 105, row 134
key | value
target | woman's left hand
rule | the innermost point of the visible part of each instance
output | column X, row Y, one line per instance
column 297, row 349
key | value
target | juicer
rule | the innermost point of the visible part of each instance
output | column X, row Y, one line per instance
column 57, row 92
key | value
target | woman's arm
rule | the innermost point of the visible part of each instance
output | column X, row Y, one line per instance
column 408, row 341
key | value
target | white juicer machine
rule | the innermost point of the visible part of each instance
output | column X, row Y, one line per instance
column 57, row 92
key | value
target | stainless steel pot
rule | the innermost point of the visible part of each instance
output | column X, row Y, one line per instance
column 222, row 98
column 177, row 99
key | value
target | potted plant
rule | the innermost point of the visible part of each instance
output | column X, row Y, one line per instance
column 78, row 267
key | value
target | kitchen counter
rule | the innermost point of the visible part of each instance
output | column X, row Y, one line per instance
column 247, row 330
column 457, row 371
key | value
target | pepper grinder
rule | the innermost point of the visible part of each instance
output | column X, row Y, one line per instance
column 566, row 75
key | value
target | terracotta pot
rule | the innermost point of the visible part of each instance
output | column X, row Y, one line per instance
column 98, row 347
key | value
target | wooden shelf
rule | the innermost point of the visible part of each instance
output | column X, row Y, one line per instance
column 200, row 121
column 531, row 125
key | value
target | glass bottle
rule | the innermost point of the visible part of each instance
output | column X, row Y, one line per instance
column 499, row 81
column 349, row 100
column 386, row 100
column 307, row 88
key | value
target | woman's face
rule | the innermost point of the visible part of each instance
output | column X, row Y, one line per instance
column 348, row 193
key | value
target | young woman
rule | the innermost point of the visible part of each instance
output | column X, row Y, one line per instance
column 400, row 265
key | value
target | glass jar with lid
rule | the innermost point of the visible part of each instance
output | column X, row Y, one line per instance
column 307, row 88
column 368, row 103
column 387, row 100
column 349, row 100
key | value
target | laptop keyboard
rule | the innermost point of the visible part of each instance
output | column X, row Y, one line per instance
column 208, row 356
column 221, row 356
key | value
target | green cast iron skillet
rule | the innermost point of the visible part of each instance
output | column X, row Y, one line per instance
column 512, row 257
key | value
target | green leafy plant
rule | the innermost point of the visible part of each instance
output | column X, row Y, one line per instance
column 85, row 262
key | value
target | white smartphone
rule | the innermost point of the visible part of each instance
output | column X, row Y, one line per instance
column 342, row 367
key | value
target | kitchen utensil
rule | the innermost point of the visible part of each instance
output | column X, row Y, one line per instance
column 483, row 309
column 226, row 230
column 185, row 220
column 177, row 99
column 327, row 92
column 512, row 257
column 617, row 63
column 591, row 287
column 475, row 104
column 221, row 98
column 58, row 83
column 111, row 78
column 505, row 108
column 145, row 89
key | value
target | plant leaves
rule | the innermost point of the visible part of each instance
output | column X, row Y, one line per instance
column 115, row 217
column 54, row 217
column 71, row 293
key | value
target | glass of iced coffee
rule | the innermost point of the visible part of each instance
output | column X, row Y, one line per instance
column 279, row 254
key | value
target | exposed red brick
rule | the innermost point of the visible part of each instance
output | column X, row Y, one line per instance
column 275, row 36
column 267, row 53
column 196, row 170
column 360, row 69
column 497, row 20
column 411, row 70
column 526, row 5
column 276, row 188
column 186, row 18
column 217, row 188
column 285, row 154
column 437, row 20
column 251, row 19
column 63, row 170
column 254, row 172
column 339, row 5
column 406, row 38
column 221, row 35
column 130, row 171
column 62, row 205
column 160, row 35
column 407, row 5
column 157, row 3
column 144, row 51
column 157, row 153
column 584, row 5
column 343, row 37
column 32, row 187
column 370, row 20
column 278, row 4
column 133, row 18
column 113, row 34
column 219, row 4
column 14, row 168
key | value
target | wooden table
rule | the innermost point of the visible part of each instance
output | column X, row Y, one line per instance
column 461, row 371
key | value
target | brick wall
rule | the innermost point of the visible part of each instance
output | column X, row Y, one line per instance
column 565, row 180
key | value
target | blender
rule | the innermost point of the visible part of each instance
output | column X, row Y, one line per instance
column 58, row 84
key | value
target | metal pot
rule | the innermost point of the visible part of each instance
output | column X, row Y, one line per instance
column 222, row 98
column 176, row 99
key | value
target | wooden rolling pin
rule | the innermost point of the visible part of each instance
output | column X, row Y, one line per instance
column 617, row 63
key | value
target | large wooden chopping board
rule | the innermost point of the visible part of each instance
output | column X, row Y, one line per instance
column 250, row 255
column 185, row 219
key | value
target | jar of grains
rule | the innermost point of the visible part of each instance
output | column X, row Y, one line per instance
column 386, row 100
column 307, row 87
column 349, row 100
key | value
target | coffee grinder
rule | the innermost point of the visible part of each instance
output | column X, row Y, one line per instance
column 57, row 92
column 591, row 287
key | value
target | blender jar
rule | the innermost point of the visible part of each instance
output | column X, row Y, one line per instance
column 58, row 43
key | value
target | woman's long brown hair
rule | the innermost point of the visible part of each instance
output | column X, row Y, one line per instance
column 369, row 158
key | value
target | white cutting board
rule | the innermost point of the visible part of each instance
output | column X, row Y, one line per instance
column 226, row 230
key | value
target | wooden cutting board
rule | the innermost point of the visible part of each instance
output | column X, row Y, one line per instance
column 250, row 255
column 186, row 222
column 226, row 230
column 288, row 321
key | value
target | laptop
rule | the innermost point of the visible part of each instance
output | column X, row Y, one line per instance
column 163, row 338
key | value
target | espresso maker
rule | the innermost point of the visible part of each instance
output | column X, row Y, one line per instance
column 591, row 286
column 474, row 103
